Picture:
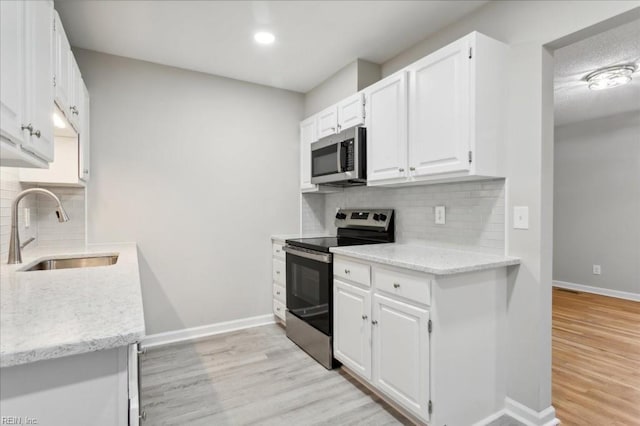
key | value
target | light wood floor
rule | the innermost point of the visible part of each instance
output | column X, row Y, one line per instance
column 596, row 359
column 253, row 376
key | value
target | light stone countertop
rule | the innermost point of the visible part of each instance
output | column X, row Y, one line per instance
column 51, row 314
column 424, row 258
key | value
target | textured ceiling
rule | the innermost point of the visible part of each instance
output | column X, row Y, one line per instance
column 313, row 38
column 574, row 101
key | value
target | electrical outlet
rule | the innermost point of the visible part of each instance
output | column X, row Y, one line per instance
column 520, row 217
column 440, row 215
column 27, row 217
column 597, row 270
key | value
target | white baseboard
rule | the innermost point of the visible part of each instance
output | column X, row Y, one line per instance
column 185, row 334
column 529, row 417
column 597, row 290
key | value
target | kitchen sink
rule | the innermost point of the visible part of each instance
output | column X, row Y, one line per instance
column 73, row 262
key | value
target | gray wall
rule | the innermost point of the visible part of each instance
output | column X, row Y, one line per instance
column 597, row 202
column 198, row 170
column 345, row 82
column 527, row 27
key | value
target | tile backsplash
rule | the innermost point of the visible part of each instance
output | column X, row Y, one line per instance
column 44, row 223
column 475, row 212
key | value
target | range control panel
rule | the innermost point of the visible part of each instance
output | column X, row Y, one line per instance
column 363, row 218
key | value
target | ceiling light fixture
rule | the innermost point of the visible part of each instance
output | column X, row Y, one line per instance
column 58, row 121
column 264, row 37
column 606, row 78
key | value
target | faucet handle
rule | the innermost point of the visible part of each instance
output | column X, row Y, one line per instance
column 26, row 243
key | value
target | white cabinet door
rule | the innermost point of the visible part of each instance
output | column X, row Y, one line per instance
column 401, row 353
column 327, row 122
column 386, row 106
column 439, row 108
column 351, row 111
column 12, row 69
column 75, row 93
column 352, row 327
column 85, row 135
column 307, row 137
column 39, row 77
column 62, row 54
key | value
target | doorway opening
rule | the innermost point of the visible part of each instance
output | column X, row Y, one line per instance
column 596, row 228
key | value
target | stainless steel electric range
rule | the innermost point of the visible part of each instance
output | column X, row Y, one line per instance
column 310, row 277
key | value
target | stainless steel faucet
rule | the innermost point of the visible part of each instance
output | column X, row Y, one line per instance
column 15, row 253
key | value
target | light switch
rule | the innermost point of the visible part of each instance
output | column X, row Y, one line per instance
column 440, row 215
column 520, row 217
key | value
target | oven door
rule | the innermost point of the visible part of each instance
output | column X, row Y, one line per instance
column 310, row 287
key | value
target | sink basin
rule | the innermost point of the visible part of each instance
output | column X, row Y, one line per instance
column 74, row 262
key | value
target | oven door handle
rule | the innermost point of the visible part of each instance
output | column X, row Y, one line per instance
column 308, row 254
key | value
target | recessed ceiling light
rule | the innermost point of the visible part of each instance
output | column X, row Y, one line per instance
column 58, row 121
column 264, row 37
column 606, row 78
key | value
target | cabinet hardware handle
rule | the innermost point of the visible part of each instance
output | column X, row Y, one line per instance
column 364, row 317
column 278, row 272
column 374, row 322
column 74, row 110
column 277, row 251
column 86, row 171
column 396, row 285
column 29, row 127
column 346, row 271
column 413, row 169
column 278, row 309
column 142, row 351
column 400, row 169
column 143, row 415
column 278, row 293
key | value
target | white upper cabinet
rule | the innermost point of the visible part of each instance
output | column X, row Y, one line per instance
column 39, row 75
column 386, row 122
column 12, row 70
column 76, row 93
column 439, row 111
column 63, row 63
column 85, row 135
column 351, row 340
column 351, row 112
column 26, row 92
column 307, row 136
column 401, row 353
column 327, row 122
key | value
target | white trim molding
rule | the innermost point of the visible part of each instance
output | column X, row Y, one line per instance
column 529, row 417
column 193, row 333
column 597, row 290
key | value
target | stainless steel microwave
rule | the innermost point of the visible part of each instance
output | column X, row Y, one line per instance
column 340, row 159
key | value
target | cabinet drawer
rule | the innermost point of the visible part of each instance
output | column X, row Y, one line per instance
column 279, row 309
column 279, row 293
column 352, row 271
column 415, row 287
column 278, row 251
column 279, row 270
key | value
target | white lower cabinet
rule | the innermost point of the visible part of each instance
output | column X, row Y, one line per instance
column 431, row 345
column 352, row 340
column 279, row 279
column 98, row 388
column 401, row 353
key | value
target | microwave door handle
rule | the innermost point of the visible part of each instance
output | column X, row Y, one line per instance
column 339, row 157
